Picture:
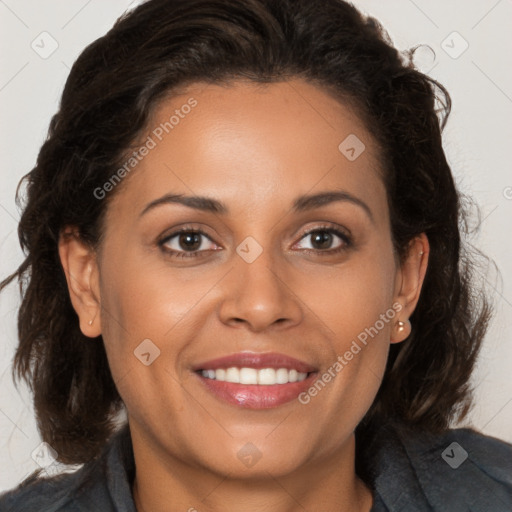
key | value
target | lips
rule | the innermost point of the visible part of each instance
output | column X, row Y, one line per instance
column 257, row 361
column 256, row 381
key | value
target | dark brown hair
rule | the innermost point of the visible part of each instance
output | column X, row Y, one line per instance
column 111, row 92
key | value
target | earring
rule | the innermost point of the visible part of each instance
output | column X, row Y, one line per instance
column 421, row 253
column 92, row 319
column 400, row 326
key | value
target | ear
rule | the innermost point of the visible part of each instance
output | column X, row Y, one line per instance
column 408, row 283
column 80, row 267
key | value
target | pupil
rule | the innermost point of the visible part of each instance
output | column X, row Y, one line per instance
column 190, row 241
column 323, row 239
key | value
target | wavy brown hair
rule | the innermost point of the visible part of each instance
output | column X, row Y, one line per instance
column 113, row 88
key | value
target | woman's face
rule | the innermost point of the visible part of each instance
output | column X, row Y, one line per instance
column 253, row 290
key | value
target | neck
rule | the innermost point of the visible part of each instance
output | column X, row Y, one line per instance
column 329, row 484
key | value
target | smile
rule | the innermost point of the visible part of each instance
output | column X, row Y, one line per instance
column 256, row 381
column 252, row 376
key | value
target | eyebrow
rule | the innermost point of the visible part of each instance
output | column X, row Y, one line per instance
column 301, row 203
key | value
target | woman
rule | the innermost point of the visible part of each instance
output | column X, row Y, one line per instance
column 243, row 232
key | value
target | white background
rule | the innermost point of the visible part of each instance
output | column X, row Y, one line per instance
column 477, row 141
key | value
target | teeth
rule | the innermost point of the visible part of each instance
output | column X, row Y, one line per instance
column 248, row 376
column 267, row 376
column 263, row 377
column 281, row 376
column 232, row 375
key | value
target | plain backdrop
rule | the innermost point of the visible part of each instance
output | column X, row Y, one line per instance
column 471, row 43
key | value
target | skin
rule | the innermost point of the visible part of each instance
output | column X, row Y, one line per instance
column 255, row 148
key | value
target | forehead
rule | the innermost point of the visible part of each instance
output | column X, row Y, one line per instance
column 247, row 144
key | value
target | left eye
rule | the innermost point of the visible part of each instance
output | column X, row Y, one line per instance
column 322, row 237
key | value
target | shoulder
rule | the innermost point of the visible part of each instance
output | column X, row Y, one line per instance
column 101, row 484
column 460, row 469
column 46, row 494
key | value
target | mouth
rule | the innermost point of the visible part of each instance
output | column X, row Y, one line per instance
column 253, row 376
column 256, row 381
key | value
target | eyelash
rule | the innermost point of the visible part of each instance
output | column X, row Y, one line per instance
column 347, row 242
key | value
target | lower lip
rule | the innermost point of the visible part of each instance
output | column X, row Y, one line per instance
column 253, row 396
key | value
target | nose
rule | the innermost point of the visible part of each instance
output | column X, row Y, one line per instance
column 260, row 294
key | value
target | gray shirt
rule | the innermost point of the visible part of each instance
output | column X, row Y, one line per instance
column 458, row 471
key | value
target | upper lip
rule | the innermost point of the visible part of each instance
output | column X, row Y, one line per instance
column 257, row 361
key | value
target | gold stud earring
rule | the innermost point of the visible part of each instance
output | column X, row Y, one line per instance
column 90, row 322
column 400, row 326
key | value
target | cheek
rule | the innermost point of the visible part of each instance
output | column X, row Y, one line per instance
column 351, row 298
column 141, row 297
column 149, row 315
column 139, row 315
column 355, row 307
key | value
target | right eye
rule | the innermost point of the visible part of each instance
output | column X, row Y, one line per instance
column 188, row 243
